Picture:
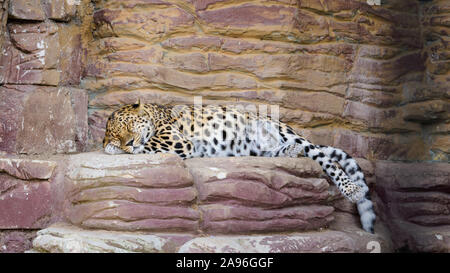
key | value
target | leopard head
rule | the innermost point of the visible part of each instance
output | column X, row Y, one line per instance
column 128, row 129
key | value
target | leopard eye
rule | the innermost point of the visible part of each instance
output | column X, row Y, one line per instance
column 130, row 143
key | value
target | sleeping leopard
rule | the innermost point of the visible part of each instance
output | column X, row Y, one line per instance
column 219, row 131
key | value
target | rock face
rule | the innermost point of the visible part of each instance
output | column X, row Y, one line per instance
column 43, row 120
column 414, row 201
column 40, row 57
column 64, row 238
column 355, row 69
column 25, row 189
column 29, row 199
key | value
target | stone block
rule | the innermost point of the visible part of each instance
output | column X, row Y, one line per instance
column 427, row 111
column 228, row 219
column 242, row 195
column 314, row 101
column 26, row 10
column 27, row 169
column 43, row 119
column 70, row 55
column 383, row 119
column 280, row 65
column 259, row 20
column 61, row 10
column 130, row 192
column 64, row 238
column 414, row 204
column 32, row 54
column 311, row 242
column 146, row 197
column 115, row 22
column 26, row 200
column 12, row 241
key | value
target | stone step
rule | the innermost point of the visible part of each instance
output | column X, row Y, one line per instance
column 157, row 203
column 217, row 195
column 66, row 238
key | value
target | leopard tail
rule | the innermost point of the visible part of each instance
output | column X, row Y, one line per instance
column 354, row 172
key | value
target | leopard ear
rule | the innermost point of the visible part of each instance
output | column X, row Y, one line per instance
column 139, row 106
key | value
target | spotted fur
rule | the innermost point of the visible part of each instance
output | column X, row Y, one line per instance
column 215, row 131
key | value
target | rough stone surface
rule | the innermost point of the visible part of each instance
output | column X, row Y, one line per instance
column 12, row 241
column 307, row 242
column 26, row 200
column 44, row 119
column 130, row 192
column 31, row 55
column 27, row 169
column 431, row 101
column 60, row 10
column 26, row 10
column 3, row 20
column 413, row 201
column 69, row 239
column 64, row 238
column 260, row 194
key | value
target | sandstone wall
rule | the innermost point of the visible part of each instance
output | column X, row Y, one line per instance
column 343, row 73
column 43, row 111
column 369, row 79
column 429, row 106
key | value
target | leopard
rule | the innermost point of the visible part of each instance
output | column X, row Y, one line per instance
column 192, row 131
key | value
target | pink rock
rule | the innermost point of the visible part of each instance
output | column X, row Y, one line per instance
column 164, row 196
column 132, row 216
column 130, row 192
column 248, row 15
column 172, row 18
column 205, row 43
column 32, row 54
column 16, row 241
column 27, row 195
column 162, row 225
column 26, row 206
column 61, row 10
column 240, row 219
column 414, row 204
column 307, row 242
column 26, row 10
column 44, row 119
column 131, row 211
column 264, row 182
column 27, row 169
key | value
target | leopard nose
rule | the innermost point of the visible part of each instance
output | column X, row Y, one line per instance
column 130, row 143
